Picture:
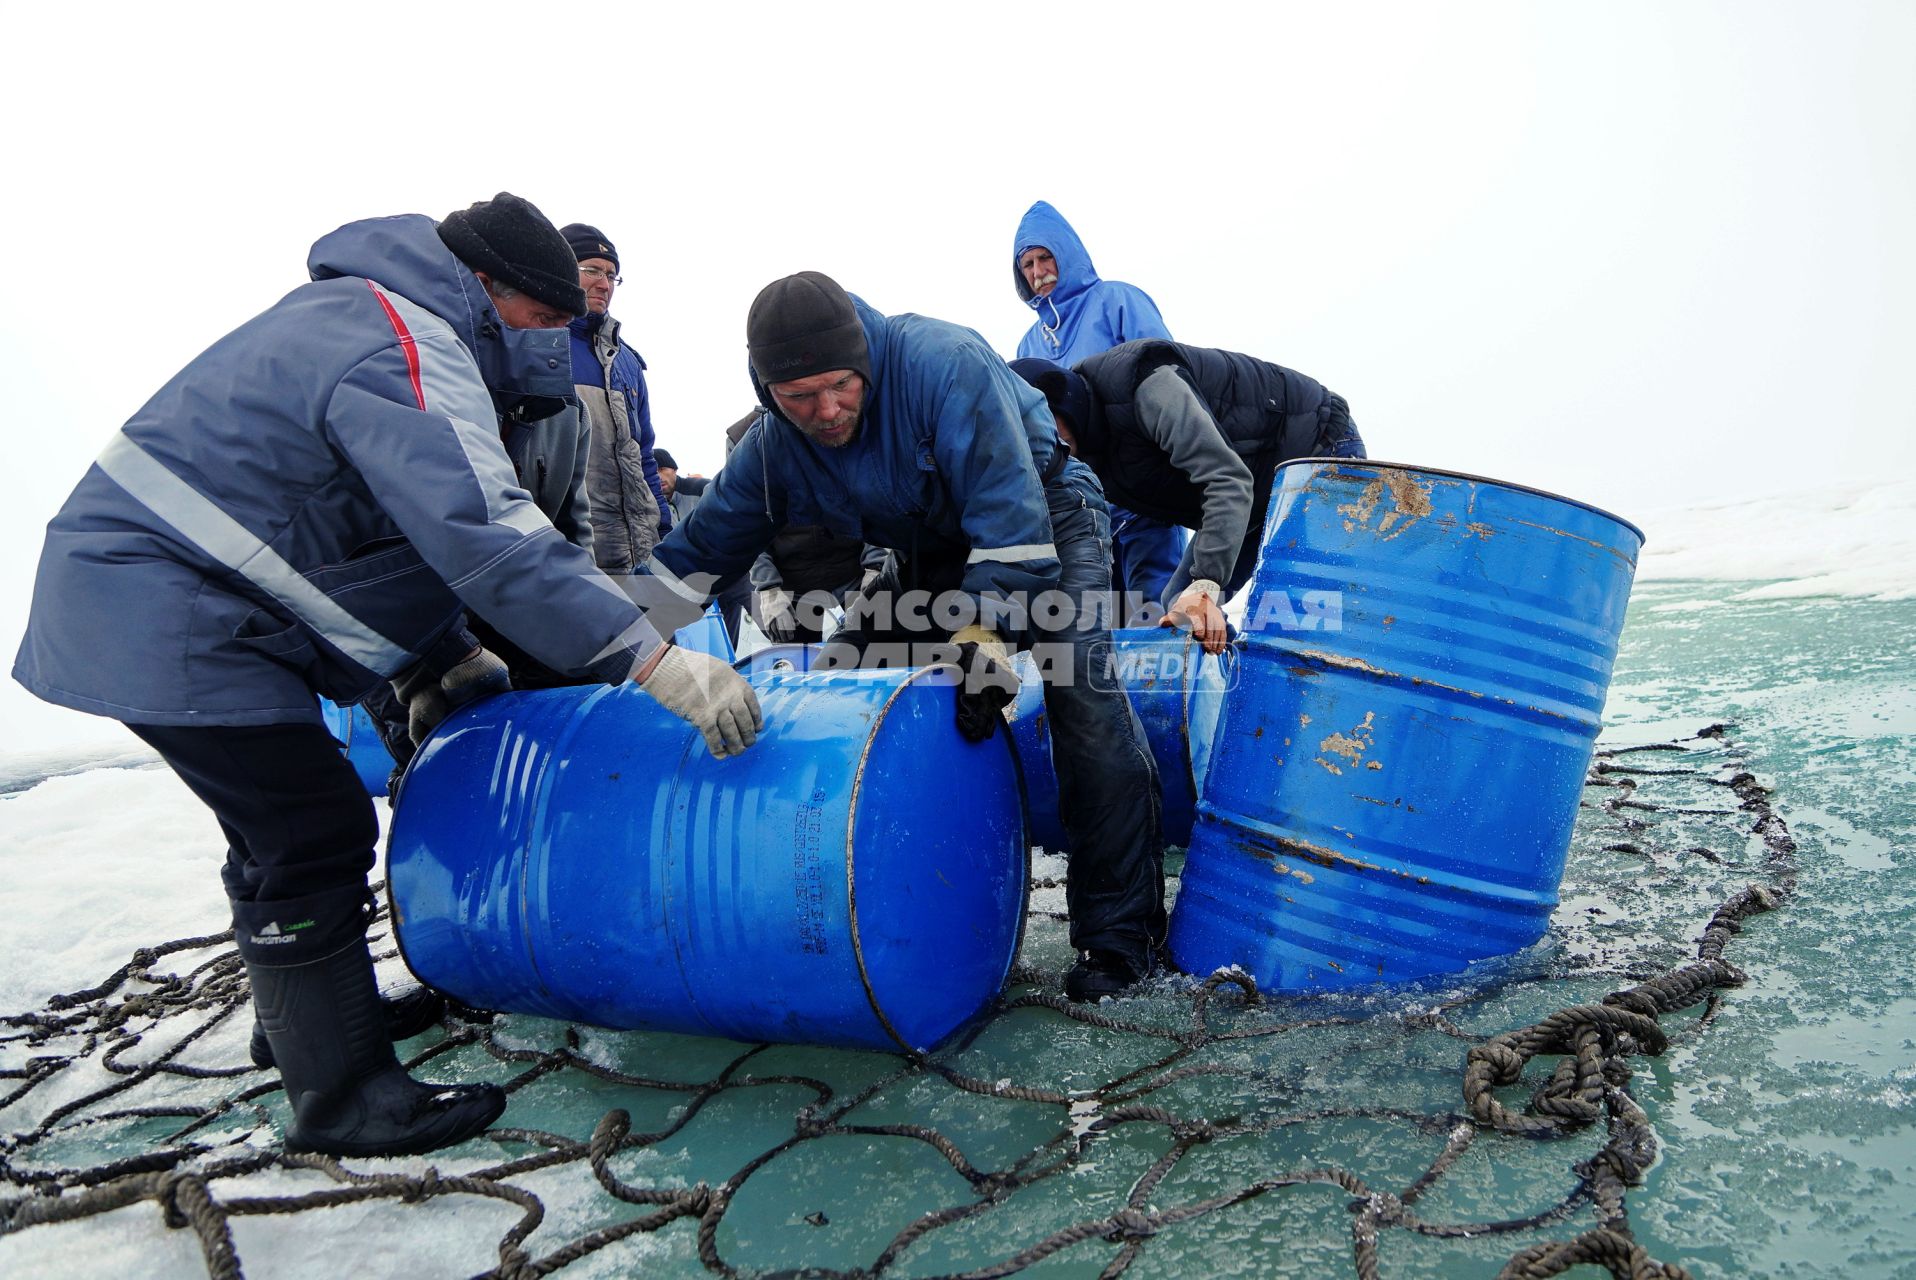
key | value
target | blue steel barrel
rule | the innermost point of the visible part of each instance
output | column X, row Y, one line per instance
column 352, row 727
column 1393, row 788
column 857, row 878
column 769, row 658
column 1178, row 692
column 707, row 635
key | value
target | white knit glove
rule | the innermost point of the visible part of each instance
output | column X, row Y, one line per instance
column 774, row 614
column 709, row 695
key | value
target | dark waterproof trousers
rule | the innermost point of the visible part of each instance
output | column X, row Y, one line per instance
column 1107, row 781
column 296, row 819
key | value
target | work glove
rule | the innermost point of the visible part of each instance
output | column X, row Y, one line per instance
column 988, row 683
column 480, row 674
column 709, row 695
column 858, row 604
column 776, row 618
column 1196, row 609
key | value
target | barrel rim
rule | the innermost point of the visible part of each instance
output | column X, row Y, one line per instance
column 1471, row 475
column 851, row 882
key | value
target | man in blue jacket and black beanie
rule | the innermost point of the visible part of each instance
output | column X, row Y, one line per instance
column 909, row 433
column 305, row 508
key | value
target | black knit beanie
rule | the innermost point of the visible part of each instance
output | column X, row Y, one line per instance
column 802, row 325
column 1064, row 390
column 665, row 461
column 511, row 241
column 588, row 241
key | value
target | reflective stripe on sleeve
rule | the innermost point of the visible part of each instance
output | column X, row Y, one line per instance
column 1023, row 551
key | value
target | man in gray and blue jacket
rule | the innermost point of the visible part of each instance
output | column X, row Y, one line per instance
column 305, row 508
column 630, row 509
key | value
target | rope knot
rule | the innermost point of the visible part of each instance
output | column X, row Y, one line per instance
column 1194, row 1131
column 424, row 1187
column 1635, row 1000
column 1130, row 1225
column 1504, row 1062
column 610, row 1132
column 167, row 1192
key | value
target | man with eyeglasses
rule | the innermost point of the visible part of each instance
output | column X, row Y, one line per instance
column 630, row 510
column 306, row 508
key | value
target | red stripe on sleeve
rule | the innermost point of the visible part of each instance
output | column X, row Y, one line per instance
column 406, row 343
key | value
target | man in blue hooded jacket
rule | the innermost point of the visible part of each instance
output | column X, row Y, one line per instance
column 303, row 509
column 909, row 433
column 1077, row 316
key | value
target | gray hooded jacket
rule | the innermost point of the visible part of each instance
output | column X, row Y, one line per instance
column 305, row 506
column 625, row 510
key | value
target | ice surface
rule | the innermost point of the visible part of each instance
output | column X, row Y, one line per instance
column 1786, row 1125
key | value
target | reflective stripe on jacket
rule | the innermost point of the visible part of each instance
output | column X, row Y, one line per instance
column 306, row 504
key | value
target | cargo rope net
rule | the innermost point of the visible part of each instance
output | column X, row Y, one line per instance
column 193, row 1158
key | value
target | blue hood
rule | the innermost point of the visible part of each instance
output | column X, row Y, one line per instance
column 405, row 254
column 1043, row 225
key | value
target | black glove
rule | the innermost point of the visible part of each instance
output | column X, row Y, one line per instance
column 430, row 700
column 988, row 687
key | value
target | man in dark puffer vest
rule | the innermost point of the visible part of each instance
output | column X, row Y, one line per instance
column 1193, row 436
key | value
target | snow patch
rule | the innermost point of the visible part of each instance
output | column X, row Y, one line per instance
column 1857, row 541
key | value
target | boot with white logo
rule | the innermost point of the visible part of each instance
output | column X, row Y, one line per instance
column 314, row 992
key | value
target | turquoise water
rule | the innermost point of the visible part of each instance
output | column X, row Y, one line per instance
column 1786, row 1123
column 1789, row 1129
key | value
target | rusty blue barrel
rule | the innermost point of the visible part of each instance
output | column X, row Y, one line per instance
column 1178, row 692
column 856, row 879
column 1393, row 786
column 352, row 727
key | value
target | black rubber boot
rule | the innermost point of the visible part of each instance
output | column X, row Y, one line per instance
column 412, row 1012
column 1099, row 975
column 313, row 990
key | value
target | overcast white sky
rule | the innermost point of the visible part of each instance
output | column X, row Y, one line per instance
column 1638, row 253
